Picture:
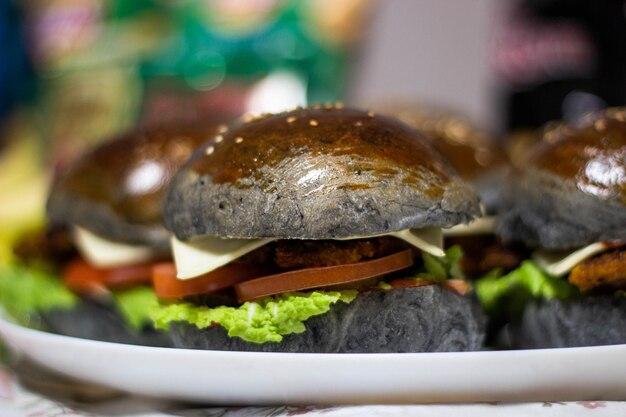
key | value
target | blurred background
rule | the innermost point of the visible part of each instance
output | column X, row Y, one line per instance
column 74, row 73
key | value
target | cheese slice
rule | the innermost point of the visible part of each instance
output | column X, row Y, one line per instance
column 559, row 263
column 482, row 226
column 203, row 255
column 104, row 253
column 428, row 239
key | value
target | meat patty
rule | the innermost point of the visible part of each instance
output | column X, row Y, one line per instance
column 605, row 270
column 298, row 254
column 294, row 254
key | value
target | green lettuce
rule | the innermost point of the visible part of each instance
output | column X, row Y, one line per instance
column 136, row 305
column 509, row 294
column 444, row 267
column 266, row 320
column 25, row 291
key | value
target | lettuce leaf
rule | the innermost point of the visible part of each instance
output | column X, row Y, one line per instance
column 266, row 320
column 25, row 291
column 508, row 294
column 136, row 306
column 445, row 267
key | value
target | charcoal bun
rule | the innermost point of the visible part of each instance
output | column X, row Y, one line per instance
column 316, row 173
column 99, row 320
column 116, row 190
column 571, row 191
column 589, row 321
column 423, row 319
column 474, row 152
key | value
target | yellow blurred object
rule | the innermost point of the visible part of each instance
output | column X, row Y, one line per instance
column 84, row 108
column 338, row 22
column 23, row 186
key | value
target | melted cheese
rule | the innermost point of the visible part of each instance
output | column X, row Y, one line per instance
column 559, row 263
column 104, row 253
column 202, row 255
column 481, row 226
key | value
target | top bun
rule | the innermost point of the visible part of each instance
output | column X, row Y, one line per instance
column 473, row 152
column 117, row 189
column 316, row 173
column 572, row 188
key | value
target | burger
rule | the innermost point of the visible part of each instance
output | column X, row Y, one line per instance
column 568, row 203
column 317, row 230
column 107, row 206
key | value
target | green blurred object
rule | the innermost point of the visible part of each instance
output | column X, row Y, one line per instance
column 445, row 267
column 221, row 50
column 506, row 296
column 136, row 306
column 85, row 107
column 25, row 291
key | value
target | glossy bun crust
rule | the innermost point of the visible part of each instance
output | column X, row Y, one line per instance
column 316, row 173
column 117, row 189
column 572, row 190
column 473, row 152
column 423, row 319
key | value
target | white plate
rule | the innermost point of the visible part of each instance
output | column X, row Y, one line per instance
column 242, row 378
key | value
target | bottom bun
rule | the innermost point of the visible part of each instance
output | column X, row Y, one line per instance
column 94, row 320
column 590, row 321
column 422, row 319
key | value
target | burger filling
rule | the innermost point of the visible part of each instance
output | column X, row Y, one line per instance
column 295, row 280
column 47, row 275
column 485, row 253
column 598, row 268
column 206, row 254
column 25, row 292
column 482, row 251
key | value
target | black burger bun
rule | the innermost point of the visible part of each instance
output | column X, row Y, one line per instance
column 588, row 321
column 316, row 173
column 117, row 189
column 474, row 152
column 571, row 190
column 99, row 320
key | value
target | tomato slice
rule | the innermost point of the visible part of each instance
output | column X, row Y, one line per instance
column 81, row 277
column 320, row 277
column 166, row 285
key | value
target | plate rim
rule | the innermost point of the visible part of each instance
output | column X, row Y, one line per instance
column 404, row 386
